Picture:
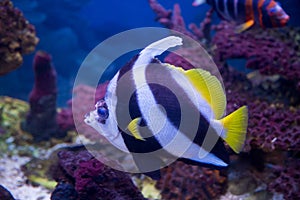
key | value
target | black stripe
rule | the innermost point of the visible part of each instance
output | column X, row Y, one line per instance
column 170, row 95
column 241, row 10
column 127, row 109
column 266, row 19
column 255, row 11
column 221, row 6
column 212, row 3
column 230, row 8
column 128, row 66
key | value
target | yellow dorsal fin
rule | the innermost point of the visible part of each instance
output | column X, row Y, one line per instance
column 244, row 26
column 133, row 128
column 210, row 89
column 208, row 86
column 235, row 126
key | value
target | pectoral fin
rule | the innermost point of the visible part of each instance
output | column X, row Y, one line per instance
column 133, row 128
column 244, row 26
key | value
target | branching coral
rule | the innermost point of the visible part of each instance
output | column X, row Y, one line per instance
column 174, row 21
column 17, row 37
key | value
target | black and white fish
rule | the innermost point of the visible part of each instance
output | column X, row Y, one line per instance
column 151, row 106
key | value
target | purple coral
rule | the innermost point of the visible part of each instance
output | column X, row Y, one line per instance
column 182, row 181
column 93, row 180
column 271, row 51
column 17, row 37
column 287, row 180
column 174, row 21
column 41, row 120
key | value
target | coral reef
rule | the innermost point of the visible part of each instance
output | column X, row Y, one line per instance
column 17, row 37
column 94, row 180
column 5, row 194
column 182, row 181
column 271, row 51
column 272, row 125
column 41, row 119
column 287, row 180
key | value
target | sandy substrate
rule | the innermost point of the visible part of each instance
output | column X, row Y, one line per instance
column 12, row 178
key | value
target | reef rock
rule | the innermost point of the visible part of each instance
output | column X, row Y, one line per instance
column 92, row 179
column 41, row 119
column 17, row 37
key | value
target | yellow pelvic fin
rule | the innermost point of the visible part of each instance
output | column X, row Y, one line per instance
column 133, row 128
column 235, row 126
column 210, row 89
column 244, row 26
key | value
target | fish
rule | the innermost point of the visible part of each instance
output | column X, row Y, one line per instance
column 150, row 107
column 265, row 13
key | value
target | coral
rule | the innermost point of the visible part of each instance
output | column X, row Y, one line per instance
column 271, row 51
column 17, row 37
column 287, row 180
column 94, row 180
column 65, row 119
column 182, row 181
column 11, row 113
column 272, row 125
column 5, row 194
column 174, row 21
column 41, row 119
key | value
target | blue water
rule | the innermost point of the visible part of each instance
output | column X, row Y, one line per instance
column 69, row 30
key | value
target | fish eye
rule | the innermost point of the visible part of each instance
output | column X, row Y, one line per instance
column 102, row 113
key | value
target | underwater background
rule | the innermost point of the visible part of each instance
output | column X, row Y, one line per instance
column 264, row 73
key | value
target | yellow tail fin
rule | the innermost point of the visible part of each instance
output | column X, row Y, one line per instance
column 235, row 126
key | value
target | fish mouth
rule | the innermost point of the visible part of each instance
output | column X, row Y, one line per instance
column 87, row 118
column 285, row 20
